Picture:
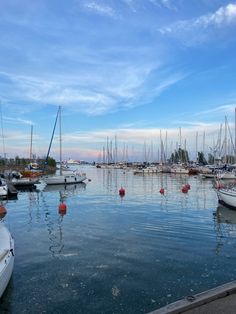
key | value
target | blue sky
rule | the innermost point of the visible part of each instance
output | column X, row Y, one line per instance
column 125, row 68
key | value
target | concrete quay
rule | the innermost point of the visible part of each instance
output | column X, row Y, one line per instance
column 220, row 300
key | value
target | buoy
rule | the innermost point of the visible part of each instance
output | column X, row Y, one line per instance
column 184, row 189
column 162, row 190
column 3, row 211
column 188, row 186
column 122, row 191
column 62, row 209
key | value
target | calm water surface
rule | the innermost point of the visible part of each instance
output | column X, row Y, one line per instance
column 109, row 254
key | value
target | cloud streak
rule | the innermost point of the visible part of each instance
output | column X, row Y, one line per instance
column 104, row 10
column 224, row 16
column 127, row 88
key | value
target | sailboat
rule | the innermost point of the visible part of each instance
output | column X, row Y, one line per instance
column 64, row 177
column 6, row 257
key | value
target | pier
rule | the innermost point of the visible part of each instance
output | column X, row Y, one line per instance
column 221, row 299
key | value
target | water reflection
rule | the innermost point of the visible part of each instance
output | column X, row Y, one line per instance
column 67, row 189
column 225, row 215
column 130, row 254
column 225, row 226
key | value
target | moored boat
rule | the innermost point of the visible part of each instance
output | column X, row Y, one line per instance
column 227, row 196
column 64, row 177
column 3, row 188
column 6, row 257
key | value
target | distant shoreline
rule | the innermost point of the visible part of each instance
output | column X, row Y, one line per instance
column 22, row 168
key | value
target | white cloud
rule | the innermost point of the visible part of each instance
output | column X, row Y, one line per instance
column 17, row 121
column 223, row 16
column 125, row 88
column 100, row 9
column 223, row 110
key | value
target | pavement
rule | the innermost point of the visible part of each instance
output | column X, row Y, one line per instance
column 220, row 300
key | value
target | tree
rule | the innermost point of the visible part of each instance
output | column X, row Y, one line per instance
column 211, row 159
column 51, row 162
column 179, row 155
column 201, row 158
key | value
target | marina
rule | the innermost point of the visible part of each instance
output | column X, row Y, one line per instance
column 107, row 253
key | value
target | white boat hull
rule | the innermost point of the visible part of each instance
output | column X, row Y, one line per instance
column 3, row 189
column 179, row 171
column 227, row 197
column 65, row 179
column 6, row 257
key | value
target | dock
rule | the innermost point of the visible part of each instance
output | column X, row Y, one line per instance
column 220, row 300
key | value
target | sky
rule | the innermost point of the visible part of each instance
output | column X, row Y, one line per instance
column 140, row 71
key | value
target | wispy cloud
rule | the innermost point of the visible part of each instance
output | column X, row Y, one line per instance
column 224, row 16
column 100, row 9
column 17, row 121
column 222, row 110
column 167, row 4
column 127, row 87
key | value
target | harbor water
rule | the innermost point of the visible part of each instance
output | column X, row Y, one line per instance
column 112, row 254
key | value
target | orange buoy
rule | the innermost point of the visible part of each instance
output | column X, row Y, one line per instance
column 162, row 190
column 62, row 209
column 122, row 191
column 3, row 211
column 184, row 189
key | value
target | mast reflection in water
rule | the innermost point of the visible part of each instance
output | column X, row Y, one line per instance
column 109, row 254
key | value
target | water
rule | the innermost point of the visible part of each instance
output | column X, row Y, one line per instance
column 118, row 255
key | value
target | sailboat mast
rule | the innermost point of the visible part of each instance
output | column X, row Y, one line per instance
column 225, row 159
column 235, row 135
column 60, row 141
column 49, row 148
column 31, row 139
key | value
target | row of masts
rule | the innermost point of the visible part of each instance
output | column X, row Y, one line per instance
column 222, row 150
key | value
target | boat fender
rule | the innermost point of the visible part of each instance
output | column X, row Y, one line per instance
column 12, row 252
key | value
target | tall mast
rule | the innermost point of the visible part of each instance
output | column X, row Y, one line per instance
column 60, row 141
column 196, row 146
column 49, row 148
column 166, row 150
column 31, row 139
column 3, row 140
column 235, row 134
column 225, row 159
column 203, row 143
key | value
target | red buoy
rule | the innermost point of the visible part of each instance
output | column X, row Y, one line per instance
column 188, row 186
column 3, row 211
column 162, row 190
column 62, row 209
column 184, row 189
column 122, row 191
